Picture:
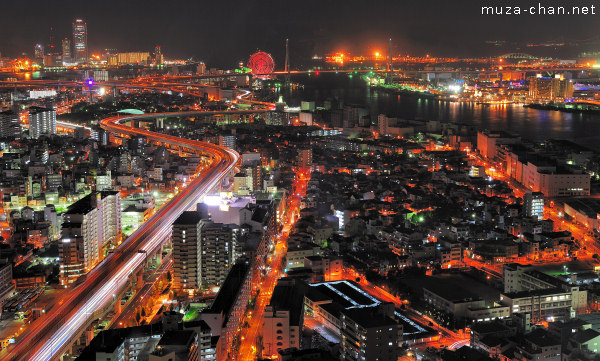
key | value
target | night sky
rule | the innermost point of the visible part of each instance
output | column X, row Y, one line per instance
column 221, row 33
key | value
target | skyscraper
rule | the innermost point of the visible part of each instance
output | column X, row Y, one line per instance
column 203, row 251
column 80, row 41
column 220, row 248
column 89, row 225
column 186, row 251
column 66, row 51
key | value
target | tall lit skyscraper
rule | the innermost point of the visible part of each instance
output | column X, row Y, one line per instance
column 80, row 46
column 186, row 251
column 66, row 51
column 203, row 251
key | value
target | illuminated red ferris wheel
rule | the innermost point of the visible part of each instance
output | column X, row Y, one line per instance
column 261, row 63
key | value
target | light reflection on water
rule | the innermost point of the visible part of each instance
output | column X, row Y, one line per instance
column 529, row 123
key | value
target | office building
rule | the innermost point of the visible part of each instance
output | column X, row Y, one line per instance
column 10, row 125
column 186, row 251
column 80, row 44
column 89, row 226
column 67, row 57
column 369, row 335
column 533, row 205
column 42, row 121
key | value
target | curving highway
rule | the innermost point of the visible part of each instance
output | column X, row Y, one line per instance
column 49, row 336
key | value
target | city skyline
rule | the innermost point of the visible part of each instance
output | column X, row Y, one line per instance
column 434, row 27
column 289, row 181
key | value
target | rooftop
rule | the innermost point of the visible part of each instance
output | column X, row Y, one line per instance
column 229, row 290
column 289, row 295
column 188, row 217
column 178, row 337
column 587, row 206
column 369, row 317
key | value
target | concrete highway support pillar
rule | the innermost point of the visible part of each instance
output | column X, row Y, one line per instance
column 117, row 307
column 140, row 279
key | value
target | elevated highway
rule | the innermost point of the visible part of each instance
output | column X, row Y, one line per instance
column 50, row 336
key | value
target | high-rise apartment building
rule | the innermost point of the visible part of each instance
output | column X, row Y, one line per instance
column 10, row 126
column 186, row 251
column 203, row 251
column 41, row 121
column 219, row 249
column 89, row 225
column 80, row 44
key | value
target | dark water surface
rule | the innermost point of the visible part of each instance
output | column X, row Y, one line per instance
column 529, row 123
